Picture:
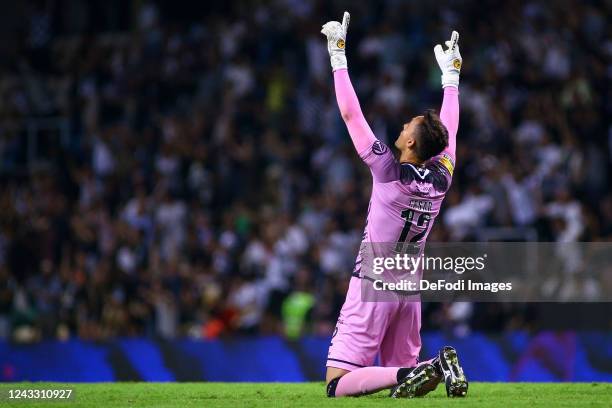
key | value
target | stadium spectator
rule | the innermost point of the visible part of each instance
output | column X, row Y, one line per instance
column 190, row 168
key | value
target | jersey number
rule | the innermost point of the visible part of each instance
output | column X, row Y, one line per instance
column 423, row 222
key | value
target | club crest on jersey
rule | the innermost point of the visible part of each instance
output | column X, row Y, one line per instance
column 340, row 43
column 457, row 63
column 379, row 148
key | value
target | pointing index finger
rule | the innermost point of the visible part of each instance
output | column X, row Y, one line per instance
column 454, row 40
column 345, row 21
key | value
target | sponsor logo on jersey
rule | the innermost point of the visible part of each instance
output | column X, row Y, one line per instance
column 422, row 187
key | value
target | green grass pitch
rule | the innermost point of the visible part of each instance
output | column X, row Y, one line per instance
column 237, row 395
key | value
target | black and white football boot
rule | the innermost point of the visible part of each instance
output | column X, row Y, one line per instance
column 413, row 383
column 454, row 379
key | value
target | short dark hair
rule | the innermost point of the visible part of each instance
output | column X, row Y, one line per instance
column 432, row 136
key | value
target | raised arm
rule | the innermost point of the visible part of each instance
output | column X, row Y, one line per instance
column 373, row 152
column 450, row 63
column 449, row 114
column 362, row 136
column 358, row 128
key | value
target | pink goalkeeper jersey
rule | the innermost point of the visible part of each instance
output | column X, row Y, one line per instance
column 406, row 198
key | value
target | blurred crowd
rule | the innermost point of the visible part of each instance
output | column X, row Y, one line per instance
column 194, row 177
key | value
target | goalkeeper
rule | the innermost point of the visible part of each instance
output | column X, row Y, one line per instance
column 406, row 198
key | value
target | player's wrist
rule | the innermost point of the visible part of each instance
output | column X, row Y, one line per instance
column 450, row 79
column 337, row 53
column 338, row 61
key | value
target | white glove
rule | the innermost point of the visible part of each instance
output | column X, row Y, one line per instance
column 336, row 41
column 449, row 61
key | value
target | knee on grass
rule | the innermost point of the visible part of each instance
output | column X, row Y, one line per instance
column 331, row 387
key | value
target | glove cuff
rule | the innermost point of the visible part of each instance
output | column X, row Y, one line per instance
column 338, row 61
column 450, row 79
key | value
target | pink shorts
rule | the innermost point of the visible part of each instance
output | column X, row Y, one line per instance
column 390, row 330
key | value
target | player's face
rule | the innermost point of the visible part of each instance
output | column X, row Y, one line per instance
column 406, row 138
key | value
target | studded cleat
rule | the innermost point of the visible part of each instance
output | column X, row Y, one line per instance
column 433, row 381
column 454, row 379
column 413, row 383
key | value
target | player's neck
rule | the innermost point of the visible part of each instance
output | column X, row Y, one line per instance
column 407, row 156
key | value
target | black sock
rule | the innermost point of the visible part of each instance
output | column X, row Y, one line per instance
column 436, row 364
column 331, row 387
column 402, row 372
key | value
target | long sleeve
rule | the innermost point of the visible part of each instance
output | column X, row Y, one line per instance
column 449, row 114
column 373, row 152
column 362, row 136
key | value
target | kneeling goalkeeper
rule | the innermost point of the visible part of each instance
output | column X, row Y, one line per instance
column 406, row 198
